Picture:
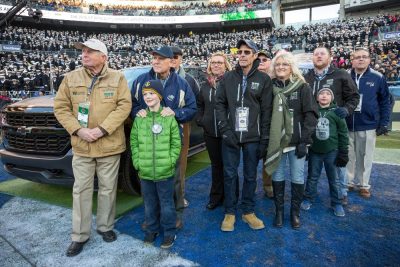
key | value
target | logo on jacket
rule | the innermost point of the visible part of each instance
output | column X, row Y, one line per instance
column 171, row 97
column 293, row 96
column 329, row 81
column 254, row 86
column 371, row 84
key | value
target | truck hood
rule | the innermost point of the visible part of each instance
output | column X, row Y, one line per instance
column 40, row 101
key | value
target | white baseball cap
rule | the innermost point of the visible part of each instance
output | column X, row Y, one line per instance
column 93, row 44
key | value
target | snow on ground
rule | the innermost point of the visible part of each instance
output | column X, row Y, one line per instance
column 36, row 233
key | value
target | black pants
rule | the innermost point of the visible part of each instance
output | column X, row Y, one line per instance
column 214, row 148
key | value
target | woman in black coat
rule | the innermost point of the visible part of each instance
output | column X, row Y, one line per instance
column 217, row 65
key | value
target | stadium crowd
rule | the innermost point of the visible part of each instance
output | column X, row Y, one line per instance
column 115, row 8
column 47, row 54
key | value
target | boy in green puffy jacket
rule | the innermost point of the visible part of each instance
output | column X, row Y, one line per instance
column 155, row 145
column 329, row 150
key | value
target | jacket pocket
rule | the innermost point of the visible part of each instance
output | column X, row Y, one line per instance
column 113, row 142
column 79, row 145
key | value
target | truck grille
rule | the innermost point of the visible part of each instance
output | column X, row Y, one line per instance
column 34, row 143
column 32, row 119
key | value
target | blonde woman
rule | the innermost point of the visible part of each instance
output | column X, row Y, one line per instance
column 218, row 64
column 295, row 114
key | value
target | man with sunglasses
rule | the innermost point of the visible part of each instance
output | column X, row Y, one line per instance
column 243, row 111
column 370, row 119
column 325, row 75
column 178, row 100
column 265, row 59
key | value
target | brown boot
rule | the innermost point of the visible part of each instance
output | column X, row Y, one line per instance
column 253, row 221
column 365, row 193
column 267, row 185
column 228, row 224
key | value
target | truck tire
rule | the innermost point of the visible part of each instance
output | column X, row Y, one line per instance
column 128, row 179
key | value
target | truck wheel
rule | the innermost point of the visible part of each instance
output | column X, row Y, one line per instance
column 128, row 179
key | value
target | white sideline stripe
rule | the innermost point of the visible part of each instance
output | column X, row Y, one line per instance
column 41, row 232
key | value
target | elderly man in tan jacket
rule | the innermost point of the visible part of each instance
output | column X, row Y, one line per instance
column 92, row 104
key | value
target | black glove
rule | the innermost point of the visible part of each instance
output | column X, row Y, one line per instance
column 230, row 139
column 382, row 130
column 341, row 112
column 301, row 150
column 342, row 158
column 262, row 150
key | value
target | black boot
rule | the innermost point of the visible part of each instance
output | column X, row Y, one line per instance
column 297, row 197
column 279, row 195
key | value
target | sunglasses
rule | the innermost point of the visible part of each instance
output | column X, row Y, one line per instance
column 264, row 59
column 246, row 52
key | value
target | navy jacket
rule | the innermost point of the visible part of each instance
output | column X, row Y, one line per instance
column 375, row 102
column 177, row 95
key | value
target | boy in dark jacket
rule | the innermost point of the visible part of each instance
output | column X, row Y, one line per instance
column 329, row 149
column 155, row 145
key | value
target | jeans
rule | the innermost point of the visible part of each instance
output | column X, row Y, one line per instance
column 296, row 167
column 159, row 208
column 343, row 181
column 231, row 160
column 315, row 163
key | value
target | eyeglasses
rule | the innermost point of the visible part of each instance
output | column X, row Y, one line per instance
column 264, row 59
column 217, row 63
column 361, row 57
column 283, row 65
column 246, row 52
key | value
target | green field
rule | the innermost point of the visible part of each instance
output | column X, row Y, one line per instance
column 392, row 140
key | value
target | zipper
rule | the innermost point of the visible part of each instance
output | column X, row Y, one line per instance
column 241, row 132
column 215, row 124
column 299, row 129
column 154, row 149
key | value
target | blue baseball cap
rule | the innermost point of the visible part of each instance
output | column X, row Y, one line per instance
column 164, row 51
column 249, row 43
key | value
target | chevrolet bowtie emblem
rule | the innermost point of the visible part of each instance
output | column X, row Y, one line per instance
column 23, row 130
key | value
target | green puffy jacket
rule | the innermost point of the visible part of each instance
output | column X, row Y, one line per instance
column 154, row 155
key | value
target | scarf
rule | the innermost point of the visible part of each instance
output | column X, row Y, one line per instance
column 212, row 80
column 281, row 129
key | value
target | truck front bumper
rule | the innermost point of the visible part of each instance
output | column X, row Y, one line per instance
column 39, row 168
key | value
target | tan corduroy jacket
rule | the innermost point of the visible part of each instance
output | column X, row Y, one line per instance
column 110, row 104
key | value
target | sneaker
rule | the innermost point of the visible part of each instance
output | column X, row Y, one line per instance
column 305, row 205
column 168, row 241
column 365, row 193
column 252, row 220
column 338, row 210
column 228, row 224
column 185, row 203
column 150, row 237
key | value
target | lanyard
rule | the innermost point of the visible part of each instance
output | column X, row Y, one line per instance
column 358, row 80
column 90, row 88
column 244, row 84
